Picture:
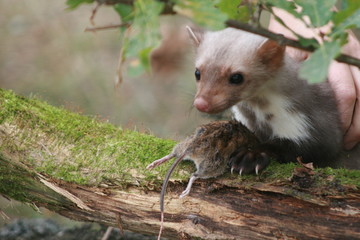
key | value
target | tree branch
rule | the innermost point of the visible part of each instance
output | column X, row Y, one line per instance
column 169, row 9
column 286, row 41
column 113, row 26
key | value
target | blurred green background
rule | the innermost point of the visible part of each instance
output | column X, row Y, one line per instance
column 45, row 52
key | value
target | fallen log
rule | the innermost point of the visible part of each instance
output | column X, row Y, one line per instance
column 90, row 170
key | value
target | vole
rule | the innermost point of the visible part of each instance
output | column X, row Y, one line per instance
column 254, row 77
column 212, row 148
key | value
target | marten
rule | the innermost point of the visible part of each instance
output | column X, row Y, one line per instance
column 255, row 78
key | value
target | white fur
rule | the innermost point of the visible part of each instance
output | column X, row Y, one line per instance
column 225, row 39
column 284, row 124
column 238, row 116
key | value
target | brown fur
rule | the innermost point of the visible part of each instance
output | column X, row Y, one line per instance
column 210, row 148
column 271, row 54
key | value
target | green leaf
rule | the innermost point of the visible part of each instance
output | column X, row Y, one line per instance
column 285, row 5
column 140, row 64
column 233, row 9
column 144, row 35
column 349, row 8
column 320, row 12
column 353, row 21
column 126, row 12
column 135, row 68
column 315, row 69
column 243, row 14
column 203, row 12
column 229, row 7
column 306, row 42
column 144, row 56
column 348, row 17
column 75, row 3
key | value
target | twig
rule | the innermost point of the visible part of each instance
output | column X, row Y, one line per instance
column 107, row 233
column 286, row 41
column 120, row 68
column 94, row 11
column 94, row 29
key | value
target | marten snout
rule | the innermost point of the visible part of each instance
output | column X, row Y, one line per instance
column 212, row 104
column 201, row 104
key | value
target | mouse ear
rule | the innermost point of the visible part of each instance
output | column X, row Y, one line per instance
column 271, row 53
column 195, row 34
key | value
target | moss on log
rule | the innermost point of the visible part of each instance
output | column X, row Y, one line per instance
column 90, row 170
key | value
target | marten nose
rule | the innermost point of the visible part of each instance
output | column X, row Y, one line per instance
column 201, row 104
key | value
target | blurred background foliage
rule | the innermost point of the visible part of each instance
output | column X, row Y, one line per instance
column 141, row 18
column 44, row 51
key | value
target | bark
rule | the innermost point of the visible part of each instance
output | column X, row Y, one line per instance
column 308, row 205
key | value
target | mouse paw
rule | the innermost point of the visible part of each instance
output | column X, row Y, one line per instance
column 160, row 161
column 248, row 161
column 188, row 188
column 184, row 193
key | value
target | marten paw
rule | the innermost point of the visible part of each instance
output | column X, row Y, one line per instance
column 248, row 161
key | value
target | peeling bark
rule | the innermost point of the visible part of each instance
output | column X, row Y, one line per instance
column 212, row 211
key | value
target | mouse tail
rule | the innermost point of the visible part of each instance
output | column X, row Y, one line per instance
column 166, row 181
column 161, row 225
column 163, row 191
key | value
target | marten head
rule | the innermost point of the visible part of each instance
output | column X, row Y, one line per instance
column 232, row 65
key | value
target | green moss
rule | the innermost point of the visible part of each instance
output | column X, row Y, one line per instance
column 20, row 184
column 78, row 148
column 274, row 172
column 278, row 170
column 12, row 182
column 345, row 176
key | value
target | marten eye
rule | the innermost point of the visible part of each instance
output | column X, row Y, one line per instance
column 236, row 78
column 197, row 74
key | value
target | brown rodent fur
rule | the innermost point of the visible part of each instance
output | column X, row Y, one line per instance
column 211, row 148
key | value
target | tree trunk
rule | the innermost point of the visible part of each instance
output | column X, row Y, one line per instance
column 92, row 171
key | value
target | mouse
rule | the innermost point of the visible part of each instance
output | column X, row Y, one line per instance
column 212, row 148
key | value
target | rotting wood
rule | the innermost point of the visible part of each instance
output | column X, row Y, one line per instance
column 224, row 213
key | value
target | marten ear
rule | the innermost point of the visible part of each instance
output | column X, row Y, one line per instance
column 196, row 35
column 271, row 53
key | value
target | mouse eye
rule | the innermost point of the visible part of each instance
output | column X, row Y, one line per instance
column 199, row 131
column 197, row 74
column 236, row 78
